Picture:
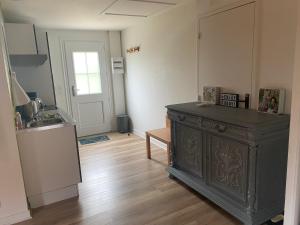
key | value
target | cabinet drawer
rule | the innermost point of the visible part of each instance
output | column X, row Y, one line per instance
column 185, row 119
column 226, row 129
column 218, row 127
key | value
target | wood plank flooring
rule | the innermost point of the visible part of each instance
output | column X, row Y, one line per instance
column 122, row 187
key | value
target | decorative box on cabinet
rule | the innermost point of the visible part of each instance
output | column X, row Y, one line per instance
column 237, row 158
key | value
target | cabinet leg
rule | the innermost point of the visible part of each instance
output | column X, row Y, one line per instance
column 169, row 154
column 171, row 176
column 148, row 146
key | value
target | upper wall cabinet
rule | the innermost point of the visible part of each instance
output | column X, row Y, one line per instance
column 20, row 39
column 22, row 45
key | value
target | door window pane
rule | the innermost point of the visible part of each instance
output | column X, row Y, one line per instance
column 87, row 73
column 82, row 83
column 79, row 62
column 92, row 62
column 94, row 83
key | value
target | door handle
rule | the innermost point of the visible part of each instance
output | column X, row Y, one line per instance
column 181, row 118
column 74, row 92
column 221, row 128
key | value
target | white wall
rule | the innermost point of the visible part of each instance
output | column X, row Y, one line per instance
column 164, row 71
column 13, row 204
column 38, row 78
column 277, row 45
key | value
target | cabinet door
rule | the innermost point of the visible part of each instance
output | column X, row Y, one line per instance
column 20, row 39
column 50, row 159
column 188, row 153
column 227, row 163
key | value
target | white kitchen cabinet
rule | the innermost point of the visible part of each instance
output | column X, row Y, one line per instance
column 50, row 163
column 20, row 39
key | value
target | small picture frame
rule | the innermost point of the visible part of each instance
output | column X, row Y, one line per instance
column 211, row 95
column 229, row 100
column 271, row 101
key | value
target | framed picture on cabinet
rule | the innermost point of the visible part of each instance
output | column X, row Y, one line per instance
column 271, row 101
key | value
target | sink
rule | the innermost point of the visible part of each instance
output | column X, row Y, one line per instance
column 47, row 122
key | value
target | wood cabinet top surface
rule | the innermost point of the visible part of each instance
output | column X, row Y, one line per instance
column 240, row 117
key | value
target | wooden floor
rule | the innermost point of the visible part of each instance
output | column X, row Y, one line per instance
column 120, row 186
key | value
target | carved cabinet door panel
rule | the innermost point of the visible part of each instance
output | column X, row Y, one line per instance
column 188, row 149
column 227, row 162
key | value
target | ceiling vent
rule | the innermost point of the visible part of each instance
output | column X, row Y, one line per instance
column 138, row 8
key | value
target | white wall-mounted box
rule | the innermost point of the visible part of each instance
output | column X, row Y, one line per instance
column 117, row 65
column 20, row 39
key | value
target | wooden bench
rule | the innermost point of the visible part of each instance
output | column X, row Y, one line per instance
column 163, row 135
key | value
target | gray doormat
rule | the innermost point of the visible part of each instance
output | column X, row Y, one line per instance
column 93, row 139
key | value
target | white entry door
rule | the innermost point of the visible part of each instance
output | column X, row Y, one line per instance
column 89, row 86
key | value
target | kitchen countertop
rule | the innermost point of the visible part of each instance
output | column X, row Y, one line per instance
column 68, row 121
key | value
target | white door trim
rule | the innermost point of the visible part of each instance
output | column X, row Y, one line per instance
column 107, row 113
column 56, row 44
column 16, row 218
column 225, row 7
column 65, row 77
column 256, row 35
column 66, row 84
column 292, row 198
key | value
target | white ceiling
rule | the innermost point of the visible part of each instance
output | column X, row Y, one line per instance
column 84, row 14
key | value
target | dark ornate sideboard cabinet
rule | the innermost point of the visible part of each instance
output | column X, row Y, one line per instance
column 237, row 158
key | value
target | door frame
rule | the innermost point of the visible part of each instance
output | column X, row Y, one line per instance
column 66, row 75
column 256, row 35
column 58, row 39
column 104, row 79
column 292, row 197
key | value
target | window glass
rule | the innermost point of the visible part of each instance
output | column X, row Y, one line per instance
column 92, row 62
column 87, row 73
column 82, row 83
column 79, row 62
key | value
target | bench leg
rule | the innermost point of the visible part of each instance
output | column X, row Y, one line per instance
column 148, row 146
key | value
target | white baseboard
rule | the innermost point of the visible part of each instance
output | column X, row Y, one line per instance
column 53, row 196
column 153, row 141
column 16, row 218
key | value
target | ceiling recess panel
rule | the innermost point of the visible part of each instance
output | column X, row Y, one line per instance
column 139, row 8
